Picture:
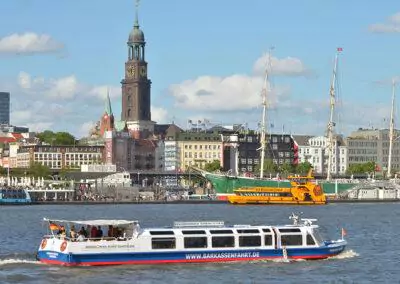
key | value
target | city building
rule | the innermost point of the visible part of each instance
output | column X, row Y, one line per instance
column 6, row 128
column 314, row 149
column 4, row 108
column 372, row 145
column 130, row 154
column 197, row 149
column 242, row 151
column 59, row 157
column 172, row 159
column 136, row 94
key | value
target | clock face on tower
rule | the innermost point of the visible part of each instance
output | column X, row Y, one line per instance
column 130, row 72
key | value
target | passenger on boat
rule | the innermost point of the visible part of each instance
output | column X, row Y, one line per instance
column 136, row 228
column 110, row 232
column 81, row 238
column 99, row 233
column 72, row 233
column 83, row 232
column 61, row 233
column 93, row 232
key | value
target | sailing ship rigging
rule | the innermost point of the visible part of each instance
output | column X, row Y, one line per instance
column 264, row 93
column 391, row 130
column 331, row 123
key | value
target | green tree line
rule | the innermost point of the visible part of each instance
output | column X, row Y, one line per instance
column 56, row 138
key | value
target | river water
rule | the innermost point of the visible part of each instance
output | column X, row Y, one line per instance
column 372, row 255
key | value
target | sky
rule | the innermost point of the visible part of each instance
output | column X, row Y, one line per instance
column 206, row 61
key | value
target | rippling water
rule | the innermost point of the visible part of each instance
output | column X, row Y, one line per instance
column 372, row 255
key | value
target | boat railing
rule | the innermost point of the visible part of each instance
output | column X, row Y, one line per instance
column 180, row 224
column 69, row 239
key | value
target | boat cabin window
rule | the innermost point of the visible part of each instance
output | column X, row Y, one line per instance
column 163, row 243
column 223, row 242
column 220, row 232
column 266, row 230
column 248, row 231
column 195, row 242
column 289, row 230
column 154, row 233
column 292, row 240
column 267, row 240
column 249, row 241
column 310, row 240
column 194, row 232
column 317, row 236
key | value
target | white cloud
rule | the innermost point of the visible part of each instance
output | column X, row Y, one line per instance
column 64, row 103
column 392, row 25
column 159, row 114
column 85, row 128
column 29, row 43
column 63, row 88
column 289, row 66
column 100, row 92
column 236, row 92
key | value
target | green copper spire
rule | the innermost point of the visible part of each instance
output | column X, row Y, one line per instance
column 136, row 25
column 108, row 103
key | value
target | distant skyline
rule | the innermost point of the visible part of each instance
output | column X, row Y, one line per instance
column 206, row 61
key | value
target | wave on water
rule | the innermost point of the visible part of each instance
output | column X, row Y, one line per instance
column 12, row 259
column 345, row 254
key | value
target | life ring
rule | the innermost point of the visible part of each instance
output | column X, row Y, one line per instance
column 63, row 246
column 43, row 244
column 317, row 190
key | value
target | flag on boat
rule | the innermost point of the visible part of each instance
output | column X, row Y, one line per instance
column 54, row 227
column 344, row 233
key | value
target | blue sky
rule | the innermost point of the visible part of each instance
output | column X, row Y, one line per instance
column 59, row 57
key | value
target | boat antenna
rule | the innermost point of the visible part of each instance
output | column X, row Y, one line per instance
column 264, row 113
column 391, row 129
column 331, row 123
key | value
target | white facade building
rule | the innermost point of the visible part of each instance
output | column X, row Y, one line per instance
column 315, row 151
column 171, row 155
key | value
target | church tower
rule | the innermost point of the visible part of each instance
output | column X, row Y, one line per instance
column 107, row 120
column 136, row 96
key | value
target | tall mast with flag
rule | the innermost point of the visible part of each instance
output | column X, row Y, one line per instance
column 331, row 123
column 391, row 130
column 264, row 92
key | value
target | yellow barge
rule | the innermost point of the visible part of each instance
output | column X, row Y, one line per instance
column 303, row 191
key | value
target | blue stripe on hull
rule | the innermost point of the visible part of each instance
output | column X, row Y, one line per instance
column 187, row 256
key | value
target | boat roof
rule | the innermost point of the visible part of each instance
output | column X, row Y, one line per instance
column 99, row 222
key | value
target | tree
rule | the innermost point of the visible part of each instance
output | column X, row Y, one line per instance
column 56, row 138
column 38, row 170
column 368, row 167
column 213, row 166
column 303, row 168
column 3, row 171
column 287, row 169
column 269, row 167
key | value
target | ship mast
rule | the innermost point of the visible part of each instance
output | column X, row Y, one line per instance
column 331, row 123
column 391, row 131
column 264, row 115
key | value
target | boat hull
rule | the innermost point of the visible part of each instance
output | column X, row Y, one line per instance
column 119, row 258
column 223, row 184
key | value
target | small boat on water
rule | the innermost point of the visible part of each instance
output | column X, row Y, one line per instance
column 185, row 242
column 12, row 196
column 303, row 191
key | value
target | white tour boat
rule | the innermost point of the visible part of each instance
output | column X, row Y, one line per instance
column 73, row 243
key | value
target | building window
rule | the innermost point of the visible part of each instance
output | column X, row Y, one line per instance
column 274, row 147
